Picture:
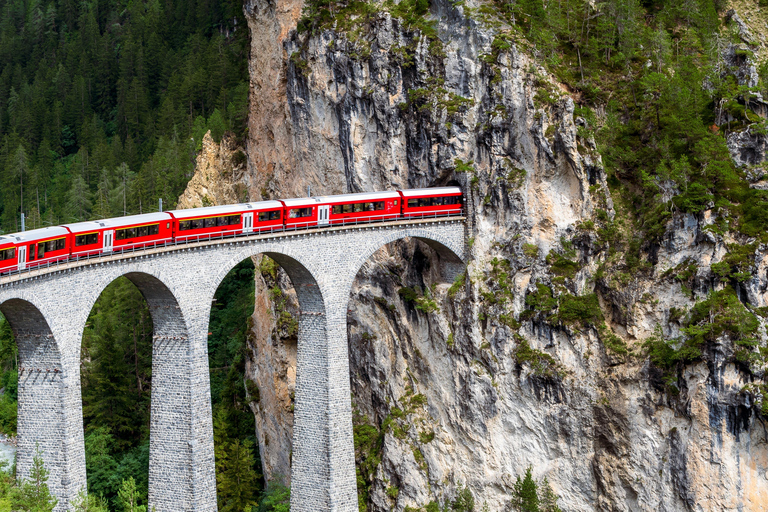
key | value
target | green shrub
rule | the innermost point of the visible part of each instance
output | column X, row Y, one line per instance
column 584, row 309
column 542, row 364
column 457, row 285
column 531, row 250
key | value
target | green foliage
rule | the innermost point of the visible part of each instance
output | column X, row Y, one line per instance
column 89, row 503
column 531, row 250
column 562, row 266
column 116, row 372
column 457, row 285
column 531, row 496
column 525, row 493
column 32, row 494
column 541, row 363
column 612, row 342
column 237, row 481
column 721, row 314
column 128, row 497
column 425, row 302
column 238, row 465
column 369, row 441
column 277, row 498
column 659, row 133
column 584, row 310
column 462, row 166
column 101, row 99
column 464, row 501
column 542, row 300
column 9, row 378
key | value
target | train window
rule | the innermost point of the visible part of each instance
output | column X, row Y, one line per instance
column 299, row 213
column 197, row 223
column 265, row 216
column 7, row 254
column 40, row 250
column 185, row 225
column 142, row 231
column 359, row 207
column 211, row 222
column 395, row 202
column 413, row 203
column 235, row 219
column 378, row 205
column 337, row 209
column 167, row 225
column 87, row 239
column 348, row 208
column 154, row 229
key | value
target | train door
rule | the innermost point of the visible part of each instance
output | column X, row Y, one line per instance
column 22, row 257
column 109, row 239
column 247, row 222
column 322, row 215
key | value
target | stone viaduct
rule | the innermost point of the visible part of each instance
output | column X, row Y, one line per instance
column 48, row 308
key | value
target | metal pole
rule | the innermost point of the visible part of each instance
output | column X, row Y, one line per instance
column 22, row 222
column 161, row 205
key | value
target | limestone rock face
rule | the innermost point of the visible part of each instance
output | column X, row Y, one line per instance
column 439, row 369
column 218, row 175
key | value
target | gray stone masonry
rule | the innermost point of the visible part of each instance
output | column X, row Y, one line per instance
column 48, row 308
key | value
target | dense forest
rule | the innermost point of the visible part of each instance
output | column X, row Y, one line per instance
column 103, row 103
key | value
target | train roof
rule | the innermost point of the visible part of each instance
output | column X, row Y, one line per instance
column 6, row 239
column 362, row 196
column 118, row 222
column 38, row 234
column 208, row 211
column 437, row 191
column 341, row 198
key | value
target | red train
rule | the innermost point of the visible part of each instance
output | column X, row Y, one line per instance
column 37, row 247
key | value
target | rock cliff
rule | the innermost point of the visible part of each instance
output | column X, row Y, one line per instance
column 537, row 355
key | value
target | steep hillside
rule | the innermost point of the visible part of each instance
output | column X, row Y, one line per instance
column 609, row 329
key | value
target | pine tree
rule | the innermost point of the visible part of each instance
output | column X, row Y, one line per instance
column 238, row 481
column 525, row 497
column 32, row 494
column 78, row 200
column 128, row 497
column 548, row 502
column 88, row 503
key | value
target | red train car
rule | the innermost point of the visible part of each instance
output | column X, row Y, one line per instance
column 8, row 260
column 302, row 213
column 227, row 220
column 431, row 201
column 40, row 246
column 363, row 207
column 118, row 234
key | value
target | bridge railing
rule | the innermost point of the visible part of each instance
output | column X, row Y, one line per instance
column 56, row 263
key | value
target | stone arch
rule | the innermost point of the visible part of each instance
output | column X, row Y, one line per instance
column 172, row 457
column 322, row 457
column 42, row 401
column 450, row 250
